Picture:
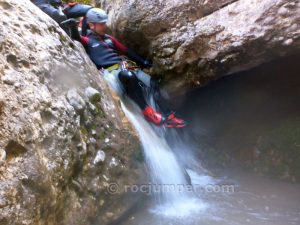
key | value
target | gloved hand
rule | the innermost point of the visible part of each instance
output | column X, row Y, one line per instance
column 70, row 23
column 147, row 64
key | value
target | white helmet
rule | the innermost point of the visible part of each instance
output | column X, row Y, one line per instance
column 96, row 15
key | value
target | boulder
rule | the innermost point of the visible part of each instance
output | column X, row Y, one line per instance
column 47, row 174
column 193, row 42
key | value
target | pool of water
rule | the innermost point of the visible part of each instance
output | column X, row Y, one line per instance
column 254, row 201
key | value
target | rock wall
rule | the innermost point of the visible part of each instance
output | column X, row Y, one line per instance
column 196, row 41
column 63, row 138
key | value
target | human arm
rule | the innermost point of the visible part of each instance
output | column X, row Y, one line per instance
column 131, row 54
column 73, row 25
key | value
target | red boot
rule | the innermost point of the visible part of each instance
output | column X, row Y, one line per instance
column 153, row 116
column 158, row 119
column 173, row 122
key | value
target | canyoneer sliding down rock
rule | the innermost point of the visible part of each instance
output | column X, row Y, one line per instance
column 109, row 54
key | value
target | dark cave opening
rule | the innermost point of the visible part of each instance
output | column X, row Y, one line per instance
column 251, row 118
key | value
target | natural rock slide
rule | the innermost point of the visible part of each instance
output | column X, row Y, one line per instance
column 65, row 136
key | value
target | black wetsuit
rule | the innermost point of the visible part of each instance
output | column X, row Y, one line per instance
column 105, row 51
column 50, row 7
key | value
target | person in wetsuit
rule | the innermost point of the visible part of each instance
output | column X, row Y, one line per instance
column 61, row 12
column 53, row 8
column 108, row 53
column 76, row 10
column 50, row 7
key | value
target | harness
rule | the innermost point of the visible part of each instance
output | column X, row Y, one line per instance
column 126, row 64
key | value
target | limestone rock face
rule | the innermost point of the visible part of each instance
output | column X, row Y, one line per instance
column 195, row 41
column 56, row 115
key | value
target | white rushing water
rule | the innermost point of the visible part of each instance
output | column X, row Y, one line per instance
column 169, row 181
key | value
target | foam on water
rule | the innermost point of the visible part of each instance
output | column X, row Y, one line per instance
column 181, row 209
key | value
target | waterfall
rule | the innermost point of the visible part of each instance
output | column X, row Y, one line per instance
column 170, row 183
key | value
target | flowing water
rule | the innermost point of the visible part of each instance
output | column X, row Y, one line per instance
column 183, row 192
column 169, row 180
